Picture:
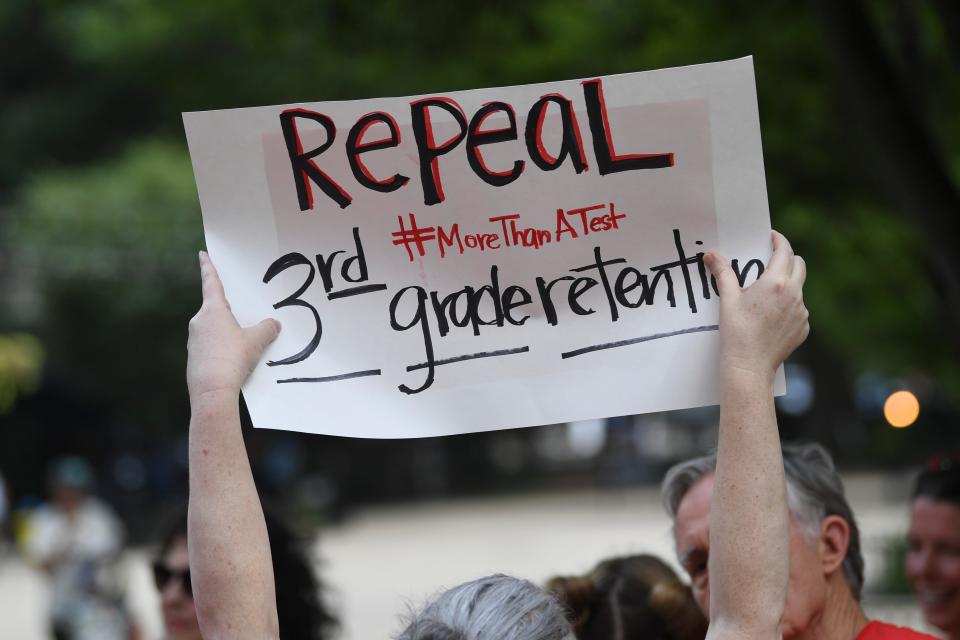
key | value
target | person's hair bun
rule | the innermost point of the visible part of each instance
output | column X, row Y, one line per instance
column 577, row 595
column 628, row 597
column 674, row 604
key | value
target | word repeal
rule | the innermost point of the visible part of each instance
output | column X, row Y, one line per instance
column 307, row 172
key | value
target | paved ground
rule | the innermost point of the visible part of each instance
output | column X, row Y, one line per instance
column 384, row 560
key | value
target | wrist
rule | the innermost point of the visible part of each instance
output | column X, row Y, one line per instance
column 747, row 372
column 214, row 396
column 214, row 411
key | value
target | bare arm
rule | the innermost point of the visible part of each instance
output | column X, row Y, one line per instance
column 230, row 561
column 749, row 524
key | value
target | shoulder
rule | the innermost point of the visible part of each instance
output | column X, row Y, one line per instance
column 45, row 517
column 883, row 631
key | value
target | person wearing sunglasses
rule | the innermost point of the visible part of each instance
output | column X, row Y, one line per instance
column 171, row 575
column 235, row 586
column 301, row 607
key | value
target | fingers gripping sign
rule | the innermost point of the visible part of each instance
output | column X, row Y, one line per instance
column 220, row 353
column 762, row 324
column 211, row 287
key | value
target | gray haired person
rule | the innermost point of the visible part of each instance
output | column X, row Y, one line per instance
column 496, row 606
column 233, row 581
column 826, row 565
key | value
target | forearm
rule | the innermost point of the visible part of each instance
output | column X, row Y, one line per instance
column 230, row 558
column 749, row 528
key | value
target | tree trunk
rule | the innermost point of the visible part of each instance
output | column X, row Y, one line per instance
column 905, row 158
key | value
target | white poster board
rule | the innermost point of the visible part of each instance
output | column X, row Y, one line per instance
column 485, row 259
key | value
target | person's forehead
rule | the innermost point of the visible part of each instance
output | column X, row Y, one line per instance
column 929, row 515
column 177, row 556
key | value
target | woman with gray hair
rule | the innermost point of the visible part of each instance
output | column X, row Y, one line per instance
column 496, row 606
column 229, row 549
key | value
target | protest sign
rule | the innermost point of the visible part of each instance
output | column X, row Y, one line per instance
column 486, row 259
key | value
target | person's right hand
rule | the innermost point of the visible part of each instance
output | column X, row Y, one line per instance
column 220, row 353
column 762, row 324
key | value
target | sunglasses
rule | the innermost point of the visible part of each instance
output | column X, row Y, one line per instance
column 162, row 575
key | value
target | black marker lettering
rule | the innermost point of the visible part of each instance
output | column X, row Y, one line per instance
column 282, row 264
column 476, row 137
column 577, row 289
column 600, row 265
column 571, row 143
column 355, row 147
column 420, row 317
column 304, row 168
column 428, row 148
column 743, row 274
column 549, row 309
column 509, row 305
column 607, row 159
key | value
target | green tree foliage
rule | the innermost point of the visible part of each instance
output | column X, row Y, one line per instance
column 111, row 250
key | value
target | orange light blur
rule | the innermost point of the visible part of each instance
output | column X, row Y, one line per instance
column 901, row 409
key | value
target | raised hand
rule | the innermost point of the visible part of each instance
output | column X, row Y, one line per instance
column 749, row 526
column 220, row 353
column 230, row 563
column 762, row 324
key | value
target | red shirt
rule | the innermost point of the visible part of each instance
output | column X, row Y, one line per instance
column 883, row 631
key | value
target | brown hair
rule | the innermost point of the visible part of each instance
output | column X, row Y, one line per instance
column 630, row 598
column 940, row 480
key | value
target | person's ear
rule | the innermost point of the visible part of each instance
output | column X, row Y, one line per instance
column 834, row 541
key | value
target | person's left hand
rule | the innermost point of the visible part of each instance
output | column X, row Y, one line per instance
column 220, row 353
column 762, row 324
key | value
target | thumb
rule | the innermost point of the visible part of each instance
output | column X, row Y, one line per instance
column 727, row 283
column 263, row 333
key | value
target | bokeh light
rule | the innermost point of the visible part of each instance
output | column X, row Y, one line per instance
column 901, row 409
column 800, row 391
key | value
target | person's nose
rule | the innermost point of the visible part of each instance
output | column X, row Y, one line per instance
column 173, row 591
column 922, row 564
column 701, row 593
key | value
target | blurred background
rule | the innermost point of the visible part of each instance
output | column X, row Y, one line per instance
column 100, row 225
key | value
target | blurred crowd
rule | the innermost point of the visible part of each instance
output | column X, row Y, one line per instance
column 75, row 539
